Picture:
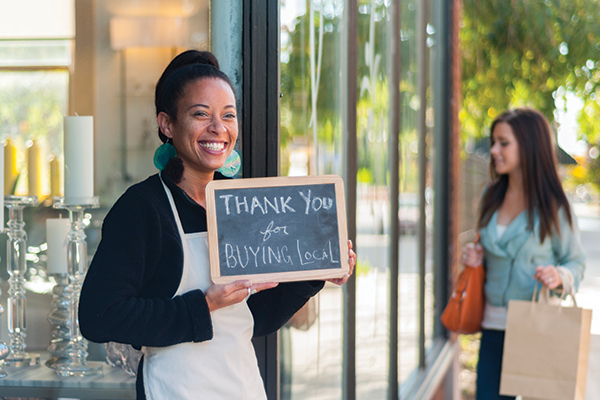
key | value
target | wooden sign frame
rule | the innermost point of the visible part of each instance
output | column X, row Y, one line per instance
column 286, row 276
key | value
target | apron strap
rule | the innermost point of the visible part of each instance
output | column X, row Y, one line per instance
column 173, row 208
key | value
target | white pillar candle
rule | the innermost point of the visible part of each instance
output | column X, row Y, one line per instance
column 79, row 159
column 57, row 230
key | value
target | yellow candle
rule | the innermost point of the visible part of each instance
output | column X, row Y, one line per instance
column 34, row 170
column 55, row 181
column 10, row 167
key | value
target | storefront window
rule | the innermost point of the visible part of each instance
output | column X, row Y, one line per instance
column 36, row 50
column 311, row 144
column 32, row 104
column 408, row 208
column 373, row 201
column 309, row 136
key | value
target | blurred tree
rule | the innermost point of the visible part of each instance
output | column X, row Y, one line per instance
column 527, row 53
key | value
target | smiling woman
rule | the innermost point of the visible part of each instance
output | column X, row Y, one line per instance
column 205, row 129
column 523, row 205
column 149, row 283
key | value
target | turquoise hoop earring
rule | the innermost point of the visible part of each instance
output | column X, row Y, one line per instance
column 163, row 154
column 232, row 165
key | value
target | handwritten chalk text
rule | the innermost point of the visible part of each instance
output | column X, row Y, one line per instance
column 238, row 256
column 240, row 204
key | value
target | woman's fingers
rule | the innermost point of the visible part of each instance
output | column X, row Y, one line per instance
column 472, row 254
column 351, row 258
column 219, row 296
column 548, row 276
column 351, row 265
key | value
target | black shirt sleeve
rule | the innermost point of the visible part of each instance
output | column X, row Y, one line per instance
column 127, row 295
column 272, row 308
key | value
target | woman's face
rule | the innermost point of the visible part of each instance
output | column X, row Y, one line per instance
column 505, row 149
column 206, row 128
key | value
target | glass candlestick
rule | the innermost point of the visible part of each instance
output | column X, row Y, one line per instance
column 76, row 363
column 4, row 350
column 16, row 266
column 59, row 318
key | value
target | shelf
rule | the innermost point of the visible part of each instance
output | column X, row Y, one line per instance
column 41, row 381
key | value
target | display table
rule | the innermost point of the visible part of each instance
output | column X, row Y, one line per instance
column 41, row 381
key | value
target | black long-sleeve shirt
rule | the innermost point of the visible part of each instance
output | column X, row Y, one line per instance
column 127, row 296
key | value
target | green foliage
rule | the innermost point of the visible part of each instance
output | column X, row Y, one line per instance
column 526, row 53
column 364, row 175
column 363, row 267
column 373, row 102
column 468, row 358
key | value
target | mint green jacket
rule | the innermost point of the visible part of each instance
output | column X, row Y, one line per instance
column 510, row 260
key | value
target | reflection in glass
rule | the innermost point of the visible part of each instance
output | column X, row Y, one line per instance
column 41, row 53
column 32, row 105
column 311, row 143
column 373, row 202
column 408, row 203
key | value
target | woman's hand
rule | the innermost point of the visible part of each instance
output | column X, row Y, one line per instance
column 351, row 264
column 472, row 255
column 219, row 296
column 548, row 276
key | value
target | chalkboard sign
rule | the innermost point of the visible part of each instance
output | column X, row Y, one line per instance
column 277, row 229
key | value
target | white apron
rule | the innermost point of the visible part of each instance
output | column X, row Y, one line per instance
column 224, row 367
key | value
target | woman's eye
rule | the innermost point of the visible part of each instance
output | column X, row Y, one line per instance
column 230, row 116
column 201, row 114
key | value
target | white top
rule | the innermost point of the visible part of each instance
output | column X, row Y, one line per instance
column 501, row 229
column 222, row 368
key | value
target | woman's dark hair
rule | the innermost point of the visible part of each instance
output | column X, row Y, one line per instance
column 187, row 67
column 541, row 185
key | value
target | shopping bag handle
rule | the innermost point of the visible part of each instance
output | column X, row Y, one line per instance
column 546, row 294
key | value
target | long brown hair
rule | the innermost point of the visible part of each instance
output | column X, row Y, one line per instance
column 541, row 185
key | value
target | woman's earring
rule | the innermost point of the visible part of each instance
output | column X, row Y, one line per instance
column 232, row 165
column 163, row 154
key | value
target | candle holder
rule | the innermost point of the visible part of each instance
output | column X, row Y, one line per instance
column 59, row 319
column 16, row 266
column 4, row 350
column 75, row 364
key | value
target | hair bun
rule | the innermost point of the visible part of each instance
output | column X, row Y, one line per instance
column 206, row 57
column 191, row 57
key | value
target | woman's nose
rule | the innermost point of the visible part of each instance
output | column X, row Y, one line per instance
column 494, row 149
column 217, row 126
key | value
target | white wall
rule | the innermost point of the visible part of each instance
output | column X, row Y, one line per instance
column 143, row 68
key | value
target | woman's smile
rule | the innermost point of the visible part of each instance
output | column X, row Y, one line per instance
column 206, row 128
column 213, row 146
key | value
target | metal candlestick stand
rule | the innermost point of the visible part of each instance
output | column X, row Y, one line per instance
column 59, row 318
column 16, row 266
column 75, row 364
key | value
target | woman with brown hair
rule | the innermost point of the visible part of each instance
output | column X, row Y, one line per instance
column 527, row 230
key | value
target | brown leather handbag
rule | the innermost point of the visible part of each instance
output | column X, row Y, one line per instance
column 464, row 311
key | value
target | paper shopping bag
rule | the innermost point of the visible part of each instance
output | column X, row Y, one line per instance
column 546, row 351
column 592, row 390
